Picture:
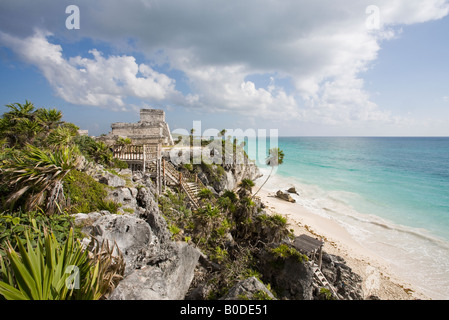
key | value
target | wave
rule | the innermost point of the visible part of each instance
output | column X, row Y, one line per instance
column 408, row 248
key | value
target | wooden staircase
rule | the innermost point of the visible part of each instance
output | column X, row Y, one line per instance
column 188, row 182
column 148, row 158
column 322, row 279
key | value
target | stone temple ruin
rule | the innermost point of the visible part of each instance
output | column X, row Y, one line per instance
column 151, row 129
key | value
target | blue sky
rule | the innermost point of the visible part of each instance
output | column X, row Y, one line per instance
column 306, row 68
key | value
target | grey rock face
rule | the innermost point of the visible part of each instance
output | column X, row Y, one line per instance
column 111, row 180
column 133, row 236
column 293, row 279
column 250, row 288
column 168, row 280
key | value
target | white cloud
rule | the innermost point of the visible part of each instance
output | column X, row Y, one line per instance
column 322, row 47
column 96, row 81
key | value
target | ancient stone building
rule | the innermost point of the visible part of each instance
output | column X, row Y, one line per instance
column 151, row 129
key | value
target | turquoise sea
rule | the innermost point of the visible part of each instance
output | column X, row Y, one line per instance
column 391, row 194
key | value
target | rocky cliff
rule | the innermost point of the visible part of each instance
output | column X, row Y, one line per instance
column 160, row 267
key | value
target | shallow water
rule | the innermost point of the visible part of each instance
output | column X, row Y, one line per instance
column 391, row 194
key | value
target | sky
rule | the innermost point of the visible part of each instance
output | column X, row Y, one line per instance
column 303, row 67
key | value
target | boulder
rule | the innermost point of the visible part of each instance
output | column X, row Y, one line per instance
column 146, row 200
column 124, row 196
column 111, row 180
column 285, row 196
column 87, row 219
column 251, row 289
column 293, row 279
column 347, row 283
column 293, row 190
column 166, row 280
column 133, row 236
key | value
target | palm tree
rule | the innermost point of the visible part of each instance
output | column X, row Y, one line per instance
column 275, row 159
column 192, row 131
column 50, row 118
column 19, row 111
column 19, row 124
column 222, row 133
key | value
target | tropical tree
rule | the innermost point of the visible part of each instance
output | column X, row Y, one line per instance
column 222, row 133
column 192, row 131
column 49, row 118
column 19, row 124
column 123, row 141
column 275, row 158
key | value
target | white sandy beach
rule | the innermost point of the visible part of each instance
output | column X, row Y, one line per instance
column 378, row 278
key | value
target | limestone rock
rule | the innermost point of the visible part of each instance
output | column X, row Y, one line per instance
column 285, row 196
column 124, row 196
column 347, row 283
column 87, row 219
column 293, row 190
column 168, row 280
column 111, row 180
column 133, row 236
column 293, row 279
column 250, row 288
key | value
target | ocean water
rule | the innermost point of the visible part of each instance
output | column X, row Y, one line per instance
column 391, row 194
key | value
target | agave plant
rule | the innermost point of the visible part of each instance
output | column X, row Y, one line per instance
column 54, row 271
column 60, row 137
column 38, row 175
column 43, row 273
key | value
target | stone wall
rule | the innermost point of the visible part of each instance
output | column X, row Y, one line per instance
column 151, row 128
column 152, row 115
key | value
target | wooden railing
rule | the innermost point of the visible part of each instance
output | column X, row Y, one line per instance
column 182, row 179
column 148, row 158
column 137, row 152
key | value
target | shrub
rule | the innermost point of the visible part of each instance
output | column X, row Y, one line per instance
column 54, row 271
column 108, row 205
column 284, row 252
column 15, row 225
column 205, row 194
column 84, row 192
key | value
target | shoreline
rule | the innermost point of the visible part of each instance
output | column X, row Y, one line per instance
column 377, row 277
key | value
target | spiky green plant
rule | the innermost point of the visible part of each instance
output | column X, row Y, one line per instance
column 205, row 194
column 44, row 272
column 60, row 137
column 54, row 271
column 37, row 176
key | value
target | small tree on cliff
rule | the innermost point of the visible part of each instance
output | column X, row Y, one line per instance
column 275, row 158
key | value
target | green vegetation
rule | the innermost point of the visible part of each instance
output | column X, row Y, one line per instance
column 41, row 185
column 284, row 252
column 15, row 225
column 41, row 160
column 205, row 194
column 229, row 229
column 84, row 192
column 58, row 271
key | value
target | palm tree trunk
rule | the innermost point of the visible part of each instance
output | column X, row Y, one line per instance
column 264, row 182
